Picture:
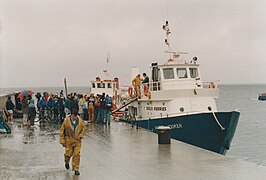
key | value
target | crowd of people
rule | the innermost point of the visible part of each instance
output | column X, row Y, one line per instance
column 91, row 108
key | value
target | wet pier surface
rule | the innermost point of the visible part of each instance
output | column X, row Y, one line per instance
column 116, row 152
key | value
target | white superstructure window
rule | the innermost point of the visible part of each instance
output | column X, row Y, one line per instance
column 100, row 85
column 93, row 85
column 193, row 72
column 109, row 85
column 181, row 72
column 168, row 73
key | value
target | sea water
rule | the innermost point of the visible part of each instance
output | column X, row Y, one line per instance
column 249, row 142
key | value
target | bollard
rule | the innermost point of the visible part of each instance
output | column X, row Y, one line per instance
column 164, row 135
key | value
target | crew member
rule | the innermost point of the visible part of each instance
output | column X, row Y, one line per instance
column 136, row 84
column 71, row 133
column 146, row 78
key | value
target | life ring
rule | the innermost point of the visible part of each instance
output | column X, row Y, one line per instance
column 130, row 91
column 113, row 106
column 211, row 85
column 146, row 89
column 114, row 98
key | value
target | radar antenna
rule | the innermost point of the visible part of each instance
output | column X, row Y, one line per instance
column 107, row 65
column 167, row 33
column 173, row 54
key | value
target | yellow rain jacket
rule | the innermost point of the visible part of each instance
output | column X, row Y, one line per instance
column 136, row 84
column 72, row 141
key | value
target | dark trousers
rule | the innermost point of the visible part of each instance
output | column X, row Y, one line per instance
column 32, row 115
column 85, row 114
column 61, row 115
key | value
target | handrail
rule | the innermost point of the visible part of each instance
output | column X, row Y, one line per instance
column 124, row 105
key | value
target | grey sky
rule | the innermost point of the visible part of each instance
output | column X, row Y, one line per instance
column 43, row 41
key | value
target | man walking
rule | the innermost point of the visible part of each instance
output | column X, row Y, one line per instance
column 71, row 133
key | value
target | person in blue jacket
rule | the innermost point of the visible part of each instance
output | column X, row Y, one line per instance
column 61, row 105
column 42, row 105
column 108, row 106
column 10, row 109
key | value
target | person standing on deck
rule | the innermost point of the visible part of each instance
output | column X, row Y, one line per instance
column 56, row 109
column 97, row 106
column 61, row 106
column 68, row 105
column 91, row 109
column 10, row 109
column 32, row 112
column 71, row 133
column 136, row 84
column 101, row 109
column 146, row 79
column 80, row 104
column 74, row 103
column 25, row 110
column 108, row 106
column 84, row 107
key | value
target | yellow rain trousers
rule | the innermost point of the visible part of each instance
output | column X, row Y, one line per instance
column 136, row 84
column 72, row 141
column 91, row 110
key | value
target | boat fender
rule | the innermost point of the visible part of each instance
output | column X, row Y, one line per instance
column 226, row 145
column 130, row 91
column 113, row 106
column 211, row 85
column 146, row 89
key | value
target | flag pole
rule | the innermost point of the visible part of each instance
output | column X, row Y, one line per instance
column 65, row 82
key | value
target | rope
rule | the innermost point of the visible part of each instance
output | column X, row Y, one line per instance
column 219, row 124
column 161, row 10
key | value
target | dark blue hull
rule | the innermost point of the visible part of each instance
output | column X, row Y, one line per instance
column 199, row 129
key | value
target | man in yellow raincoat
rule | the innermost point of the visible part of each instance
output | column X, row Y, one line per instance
column 136, row 84
column 71, row 133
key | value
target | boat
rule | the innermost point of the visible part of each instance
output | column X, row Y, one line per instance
column 262, row 97
column 111, row 87
column 177, row 97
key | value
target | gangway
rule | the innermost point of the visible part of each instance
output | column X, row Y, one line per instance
column 124, row 105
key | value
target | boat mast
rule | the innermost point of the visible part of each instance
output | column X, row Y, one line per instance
column 167, row 33
column 174, row 55
column 107, row 65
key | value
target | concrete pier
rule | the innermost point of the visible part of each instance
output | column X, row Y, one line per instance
column 115, row 152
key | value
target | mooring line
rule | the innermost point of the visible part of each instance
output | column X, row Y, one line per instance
column 216, row 119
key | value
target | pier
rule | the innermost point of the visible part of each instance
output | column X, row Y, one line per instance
column 115, row 152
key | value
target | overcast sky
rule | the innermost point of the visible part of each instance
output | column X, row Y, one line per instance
column 43, row 41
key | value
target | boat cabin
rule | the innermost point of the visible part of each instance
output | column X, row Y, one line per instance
column 109, row 87
column 175, row 76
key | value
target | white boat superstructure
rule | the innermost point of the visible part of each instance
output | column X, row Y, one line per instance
column 175, row 89
column 177, row 98
column 107, row 86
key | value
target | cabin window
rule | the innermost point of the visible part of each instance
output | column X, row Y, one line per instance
column 159, row 75
column 93, row 85
column 100, row 85
column 109, row 85
column 193, row 72
column 181, row 72
column 168, row 73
